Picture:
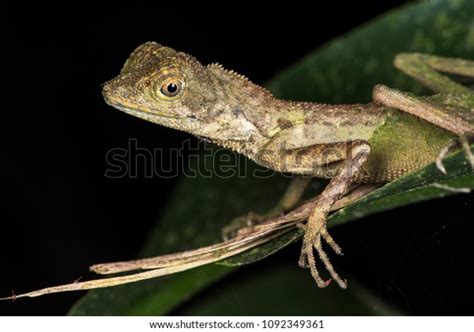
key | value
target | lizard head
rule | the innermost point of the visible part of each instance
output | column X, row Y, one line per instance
column 171, row 88
column 163, row 86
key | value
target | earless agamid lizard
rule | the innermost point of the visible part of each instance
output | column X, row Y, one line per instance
column 363, row 143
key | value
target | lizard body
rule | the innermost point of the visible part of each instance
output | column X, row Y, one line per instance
column 229, row 110
column 367, row 143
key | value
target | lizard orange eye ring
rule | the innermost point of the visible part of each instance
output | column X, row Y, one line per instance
column 171, row 88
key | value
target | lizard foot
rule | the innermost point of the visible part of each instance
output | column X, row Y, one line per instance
column 464, row 141
column 467, row 150
column 315, row 231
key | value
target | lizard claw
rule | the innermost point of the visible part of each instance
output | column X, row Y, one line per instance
column 307, row 260
column 314, row 232
column 440, row 157
column 467, row 150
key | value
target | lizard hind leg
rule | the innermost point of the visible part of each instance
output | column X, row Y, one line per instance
column 431, row 70
column 457, row 119
column 316, row 228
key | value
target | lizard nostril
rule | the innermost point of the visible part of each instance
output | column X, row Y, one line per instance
column 107, row 91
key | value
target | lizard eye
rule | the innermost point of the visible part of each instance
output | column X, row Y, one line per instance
column 171, row 88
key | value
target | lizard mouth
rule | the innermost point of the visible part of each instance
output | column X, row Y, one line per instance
column 136, row 110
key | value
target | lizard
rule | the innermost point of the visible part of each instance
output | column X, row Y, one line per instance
column 374, row 143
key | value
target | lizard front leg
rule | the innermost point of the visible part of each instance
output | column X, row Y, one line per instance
column 289, row 200
column 428, row 69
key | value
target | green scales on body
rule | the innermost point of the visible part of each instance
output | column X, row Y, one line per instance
column 365, row 143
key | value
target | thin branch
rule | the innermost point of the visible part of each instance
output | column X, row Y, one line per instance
column 249, row 238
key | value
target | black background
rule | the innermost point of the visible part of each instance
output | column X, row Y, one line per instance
column 60, row 214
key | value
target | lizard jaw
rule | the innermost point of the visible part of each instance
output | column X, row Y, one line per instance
column 140, row 112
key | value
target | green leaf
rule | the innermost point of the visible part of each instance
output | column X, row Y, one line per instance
column 343, row 71
column 279, row 289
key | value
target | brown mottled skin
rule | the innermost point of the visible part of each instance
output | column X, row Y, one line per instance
column 366, row 143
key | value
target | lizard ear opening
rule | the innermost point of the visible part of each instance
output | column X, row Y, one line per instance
column 146, row 53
